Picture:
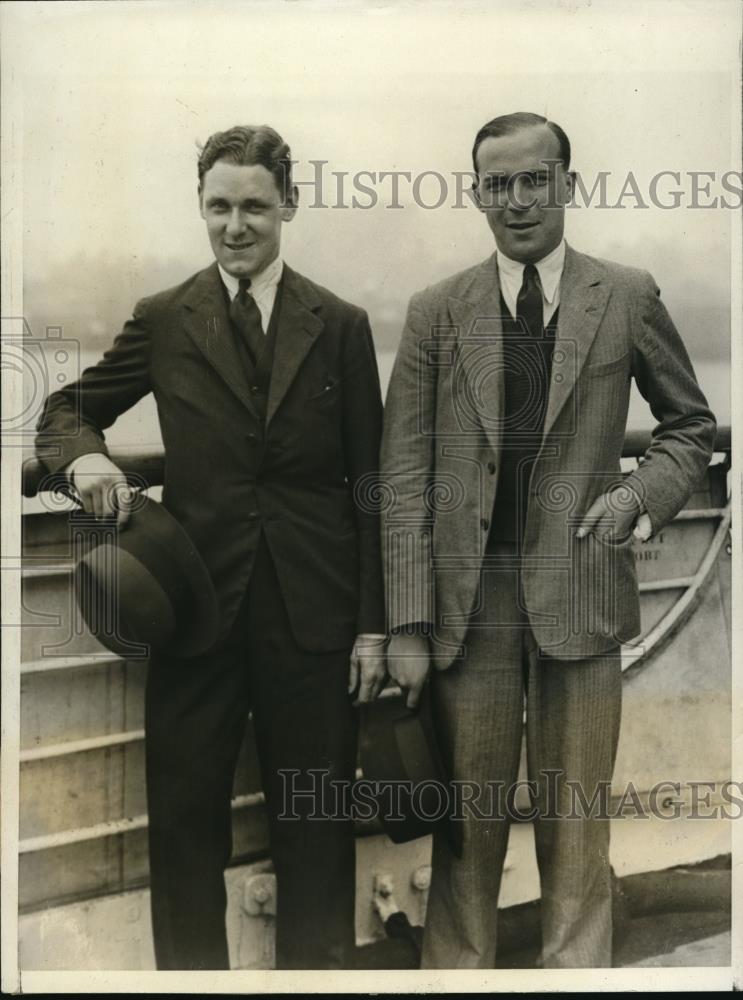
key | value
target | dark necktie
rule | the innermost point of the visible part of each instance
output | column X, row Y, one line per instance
column 246, row 316
column 529, row 307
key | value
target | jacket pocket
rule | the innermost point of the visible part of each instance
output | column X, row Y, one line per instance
column 327, row 395
column 607, row 367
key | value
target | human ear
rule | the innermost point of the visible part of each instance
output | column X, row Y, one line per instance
column 289, row 209
column 569, row 185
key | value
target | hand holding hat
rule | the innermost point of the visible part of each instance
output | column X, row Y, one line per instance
column 102, row 487
column 408, row 662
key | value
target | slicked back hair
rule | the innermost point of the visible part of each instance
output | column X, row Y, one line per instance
column 248, row 146
column 517, row 122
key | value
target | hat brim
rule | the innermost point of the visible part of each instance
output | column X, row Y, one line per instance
column 199, row 631
column 152, row 527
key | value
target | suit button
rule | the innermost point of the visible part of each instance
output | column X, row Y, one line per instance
column 251, row 437
column 484, row 523
column 253, row 515
column 255, row 388
column 491, row 468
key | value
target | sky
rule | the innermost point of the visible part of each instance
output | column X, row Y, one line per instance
column 116, row 97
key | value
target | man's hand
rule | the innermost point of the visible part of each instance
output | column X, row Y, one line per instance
column 368, row 668
column 643, row 528
column 612, row 516
column 408, row 662
column 102, row 487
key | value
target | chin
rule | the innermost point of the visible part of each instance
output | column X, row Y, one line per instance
column 239, row 266
column 527, row 254
column 522, row 254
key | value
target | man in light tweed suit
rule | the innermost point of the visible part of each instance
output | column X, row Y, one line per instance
column 508, row 546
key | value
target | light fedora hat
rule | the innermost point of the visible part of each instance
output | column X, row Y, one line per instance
column 146, row 586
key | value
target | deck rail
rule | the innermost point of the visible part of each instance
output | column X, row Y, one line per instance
column 145, row 466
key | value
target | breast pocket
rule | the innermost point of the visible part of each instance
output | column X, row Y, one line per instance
column 600, row 368
column 327, row 396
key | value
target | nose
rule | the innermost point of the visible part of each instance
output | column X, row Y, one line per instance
column 521, row 194
column 235, row 223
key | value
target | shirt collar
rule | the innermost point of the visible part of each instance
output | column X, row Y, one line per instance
column 269, row 277
column 550, row 270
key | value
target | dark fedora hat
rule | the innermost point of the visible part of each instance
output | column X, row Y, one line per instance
column 144, row 588
column 400, row 758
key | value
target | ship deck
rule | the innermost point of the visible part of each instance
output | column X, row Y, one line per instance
column 82, row 852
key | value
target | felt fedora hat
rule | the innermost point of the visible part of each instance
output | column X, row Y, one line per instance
column 145, row 588
column 400, row 757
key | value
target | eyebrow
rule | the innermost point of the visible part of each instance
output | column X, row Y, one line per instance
column 500, row 177
column 216, row 199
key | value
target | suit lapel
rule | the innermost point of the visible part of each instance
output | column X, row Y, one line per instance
column 476, row 312
column 477, row 378
column 208, row 324
column 298, row 328
column 584, row 294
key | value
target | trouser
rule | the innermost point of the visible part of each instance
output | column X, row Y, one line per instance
column 196, row 715
column 573, row 712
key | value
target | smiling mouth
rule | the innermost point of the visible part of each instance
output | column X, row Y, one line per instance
column 521, row 226
column 238, row 247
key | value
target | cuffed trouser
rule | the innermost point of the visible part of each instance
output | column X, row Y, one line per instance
column 196, row 715
column 573, row 713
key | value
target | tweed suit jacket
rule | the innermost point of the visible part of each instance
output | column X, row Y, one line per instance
column 228, row 473
column 443, row 438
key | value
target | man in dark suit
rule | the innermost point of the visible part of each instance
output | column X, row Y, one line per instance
column 508, row 547
column 269, row 404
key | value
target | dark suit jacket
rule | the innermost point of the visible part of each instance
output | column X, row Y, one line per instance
column 227, row 475
column 442, row 447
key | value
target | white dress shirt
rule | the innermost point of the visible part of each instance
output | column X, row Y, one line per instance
column 263, row 288
column 549, row 268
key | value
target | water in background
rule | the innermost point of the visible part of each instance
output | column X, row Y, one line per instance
column 140, row 426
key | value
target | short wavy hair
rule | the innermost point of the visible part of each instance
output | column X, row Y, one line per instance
column 516, row 122
column 248, row 146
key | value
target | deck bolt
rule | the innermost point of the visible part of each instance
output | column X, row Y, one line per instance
column 421, row 878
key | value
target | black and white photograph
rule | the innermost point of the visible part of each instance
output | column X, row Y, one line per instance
column 371, row 507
